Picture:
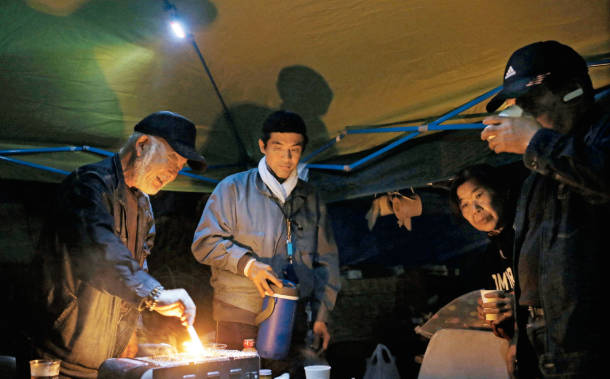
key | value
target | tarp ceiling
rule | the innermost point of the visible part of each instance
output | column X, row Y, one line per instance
column 83, row 72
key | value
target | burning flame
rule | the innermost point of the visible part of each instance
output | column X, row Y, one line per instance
column 190, row 349
column 194, row 347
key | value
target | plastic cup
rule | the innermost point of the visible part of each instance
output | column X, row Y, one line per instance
column 490, row 316
column 44, row 368
column 317, row 372
column 512, row 111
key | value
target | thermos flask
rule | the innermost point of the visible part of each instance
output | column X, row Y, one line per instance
column 276, row 320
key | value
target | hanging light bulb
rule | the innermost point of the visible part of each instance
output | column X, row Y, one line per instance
column 174, row 21
column 177, row 28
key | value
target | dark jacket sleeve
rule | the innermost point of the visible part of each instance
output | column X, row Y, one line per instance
column 582, row 165
column 326, row 270
column 99, row 257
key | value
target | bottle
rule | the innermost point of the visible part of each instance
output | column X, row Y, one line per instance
column 249, row 344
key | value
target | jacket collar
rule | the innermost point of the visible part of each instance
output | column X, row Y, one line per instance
column 118, row 170
column 301, row 190
column 122, row 189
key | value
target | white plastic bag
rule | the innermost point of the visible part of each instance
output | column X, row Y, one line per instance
column 380, row 365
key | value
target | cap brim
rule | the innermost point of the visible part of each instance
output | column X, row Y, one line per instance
column 515, row 89
column 195, row 160
column 495, row 102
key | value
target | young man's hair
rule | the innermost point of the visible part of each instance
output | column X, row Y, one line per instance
column 284, row 122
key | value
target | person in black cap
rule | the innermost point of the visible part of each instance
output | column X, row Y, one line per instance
column 560, row 242
column 91, row 280
column 263, row 225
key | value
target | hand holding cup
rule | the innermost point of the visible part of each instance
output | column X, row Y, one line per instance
column 510, row 131
column 495, row 305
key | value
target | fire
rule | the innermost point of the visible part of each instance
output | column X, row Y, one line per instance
column 191, row 349
column 194, row 346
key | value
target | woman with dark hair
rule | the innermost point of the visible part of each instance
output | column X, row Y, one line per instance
column 486, row 197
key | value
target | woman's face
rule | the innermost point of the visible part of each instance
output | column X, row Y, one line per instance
column 476, row 206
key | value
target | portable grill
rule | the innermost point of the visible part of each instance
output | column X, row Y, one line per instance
column 217, row 364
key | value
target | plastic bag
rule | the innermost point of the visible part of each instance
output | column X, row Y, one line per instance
column 380, row 365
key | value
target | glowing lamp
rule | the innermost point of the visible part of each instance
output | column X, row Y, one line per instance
column 177, row 28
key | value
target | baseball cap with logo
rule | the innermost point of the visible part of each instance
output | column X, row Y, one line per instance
column 532, row 64
column 178, row 131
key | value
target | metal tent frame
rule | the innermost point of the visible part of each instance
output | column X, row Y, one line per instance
column 435, row 125
column 413, row 131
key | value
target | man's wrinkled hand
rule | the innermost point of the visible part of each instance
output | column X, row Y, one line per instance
column 261, row 274
column 320, row 329
column 177, row 303
column 509, row 134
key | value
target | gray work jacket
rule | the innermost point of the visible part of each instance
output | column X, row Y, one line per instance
column 242, row 216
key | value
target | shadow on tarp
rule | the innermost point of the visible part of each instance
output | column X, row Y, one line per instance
column 301, row 89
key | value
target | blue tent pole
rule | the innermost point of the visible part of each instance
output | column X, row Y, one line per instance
column 335, row 167
column 602, row 93
column 326, row 146
column 432, row 126
column 34, row 165
column 40, row 150
column 348, row 168
column 57, row 150
column 467, row 105
column 195, row 176
column 97, row 151
column 217, row 166
column 602, row 62
column 382, row 150
column 185, row 172
column 419, row 128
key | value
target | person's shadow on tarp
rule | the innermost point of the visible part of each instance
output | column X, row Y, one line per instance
column 302, row 90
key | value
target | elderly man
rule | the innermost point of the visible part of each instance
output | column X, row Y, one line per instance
column 92, row 278
column 264, row 223
column 560, row 224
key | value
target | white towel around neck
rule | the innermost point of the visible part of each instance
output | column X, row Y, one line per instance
column 280, row 190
